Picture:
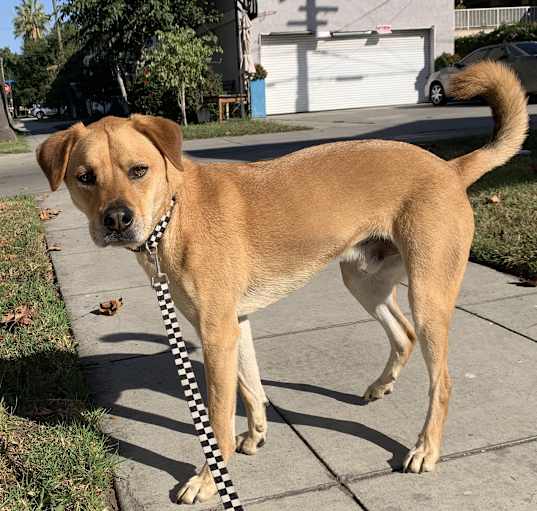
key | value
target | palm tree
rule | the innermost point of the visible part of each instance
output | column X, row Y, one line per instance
column 30, row 21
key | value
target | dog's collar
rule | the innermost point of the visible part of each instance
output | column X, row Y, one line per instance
column 156, row 235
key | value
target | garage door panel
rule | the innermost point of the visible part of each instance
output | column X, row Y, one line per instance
column 305, row 74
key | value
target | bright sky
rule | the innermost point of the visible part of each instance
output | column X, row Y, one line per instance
column 7, row 13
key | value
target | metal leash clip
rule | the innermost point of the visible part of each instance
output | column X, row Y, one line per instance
column 152, row 253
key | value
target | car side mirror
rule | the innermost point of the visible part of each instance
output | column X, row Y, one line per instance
column 459, row 65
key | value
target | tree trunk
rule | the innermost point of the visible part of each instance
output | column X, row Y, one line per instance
column 121, row 84
column 6, row 133
column 183, row 104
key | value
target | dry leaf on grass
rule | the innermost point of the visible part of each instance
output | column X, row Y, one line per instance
column 21, row 316
column 48, row 213
column 111, row 307
column 3, row 206
column 54, row 248
column 494, row 199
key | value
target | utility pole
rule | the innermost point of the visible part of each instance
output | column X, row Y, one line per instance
column 58, row 30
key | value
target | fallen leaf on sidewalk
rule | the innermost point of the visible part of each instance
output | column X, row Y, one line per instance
column 48, row 213
column 21, row 316
column 494, row 199
column 111, row 307
column 54, row 248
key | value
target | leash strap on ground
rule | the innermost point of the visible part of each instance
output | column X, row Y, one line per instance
column 206, row 436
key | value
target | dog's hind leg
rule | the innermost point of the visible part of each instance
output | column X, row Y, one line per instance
column 252, row 393
column 376, row 293
column 435, row 274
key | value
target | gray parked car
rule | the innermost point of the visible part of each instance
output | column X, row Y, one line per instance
column 521, row 56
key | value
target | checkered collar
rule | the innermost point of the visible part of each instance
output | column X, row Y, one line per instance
column 156, row 235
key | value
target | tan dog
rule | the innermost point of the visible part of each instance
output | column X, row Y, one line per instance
column 243, row 235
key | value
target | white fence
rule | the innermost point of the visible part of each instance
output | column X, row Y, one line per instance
column 466, row 19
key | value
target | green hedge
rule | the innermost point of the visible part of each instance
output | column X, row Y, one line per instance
column 445, row 60
column 505, row 33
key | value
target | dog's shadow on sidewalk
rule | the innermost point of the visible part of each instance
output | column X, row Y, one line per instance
column 158, row 374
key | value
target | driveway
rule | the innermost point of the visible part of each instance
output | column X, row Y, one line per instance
column 411, row 123
column 422, row 119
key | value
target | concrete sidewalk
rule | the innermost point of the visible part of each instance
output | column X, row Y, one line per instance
column 318, row 351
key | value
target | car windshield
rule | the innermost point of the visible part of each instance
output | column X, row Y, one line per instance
column 529, row 48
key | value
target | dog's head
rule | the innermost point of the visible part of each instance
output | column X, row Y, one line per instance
column 118, row 172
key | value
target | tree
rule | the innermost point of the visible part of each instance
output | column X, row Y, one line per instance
column 117, row 31
column 30, row 21
column 36, row 69
column 10, row 60
column 179, row 61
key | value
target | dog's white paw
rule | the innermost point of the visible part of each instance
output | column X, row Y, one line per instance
column 420, row 459
column 247, row 443
column 378, row 390
column 198, row 488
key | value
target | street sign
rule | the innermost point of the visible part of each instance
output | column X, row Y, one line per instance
column 7, row 88
column 384, row 29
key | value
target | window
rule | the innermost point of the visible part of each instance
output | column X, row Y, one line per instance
column 528, row 48
column 497, row 53
column 475, row 56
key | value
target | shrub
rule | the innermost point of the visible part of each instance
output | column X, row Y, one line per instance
column 149, row 97
column 445, row 60
column 505, row 33
column 260, row 73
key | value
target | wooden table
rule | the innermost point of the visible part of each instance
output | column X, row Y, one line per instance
column 228, row 99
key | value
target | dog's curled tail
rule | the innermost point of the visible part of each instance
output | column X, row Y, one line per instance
column 501, row 88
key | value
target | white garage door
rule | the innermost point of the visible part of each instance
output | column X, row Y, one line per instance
column 308, row 74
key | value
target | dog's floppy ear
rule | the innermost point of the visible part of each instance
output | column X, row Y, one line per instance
column 53, row 154
column 165, row 134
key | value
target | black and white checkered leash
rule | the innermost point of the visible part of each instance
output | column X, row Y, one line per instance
column 206, row 436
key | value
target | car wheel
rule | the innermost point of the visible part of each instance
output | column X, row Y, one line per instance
column 39, row 115
column 437, row 95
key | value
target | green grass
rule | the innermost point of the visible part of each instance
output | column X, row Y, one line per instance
column 18, row 146
column 52, row 455
column 506, row 232
column 238, row 127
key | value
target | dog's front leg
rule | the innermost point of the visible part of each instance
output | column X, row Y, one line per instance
column 220, row 353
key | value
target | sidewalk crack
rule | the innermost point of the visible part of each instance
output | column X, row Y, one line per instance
column 496, row 323
column 342, row 484
column 314, row 329
column 350, row 478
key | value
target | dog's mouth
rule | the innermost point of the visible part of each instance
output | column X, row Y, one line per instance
column 125, row 238
column 130, row 238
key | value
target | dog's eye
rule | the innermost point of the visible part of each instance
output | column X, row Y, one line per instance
column 138, row 171
column 87, row 177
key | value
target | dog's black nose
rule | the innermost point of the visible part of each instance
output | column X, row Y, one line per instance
column 117, row 219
